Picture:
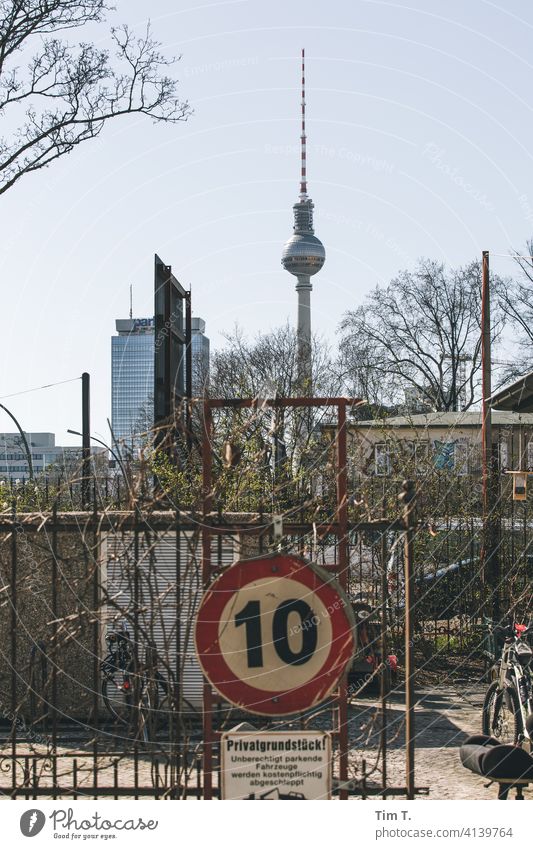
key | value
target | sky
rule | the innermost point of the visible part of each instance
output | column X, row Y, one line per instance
column 419, row 121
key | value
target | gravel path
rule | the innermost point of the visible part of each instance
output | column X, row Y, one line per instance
column 445, row 716
column 443, row 720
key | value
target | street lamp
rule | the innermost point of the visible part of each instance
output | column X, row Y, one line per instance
column 107, row 447
column 24, row 440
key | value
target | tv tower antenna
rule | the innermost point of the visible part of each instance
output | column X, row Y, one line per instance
column 303, row 138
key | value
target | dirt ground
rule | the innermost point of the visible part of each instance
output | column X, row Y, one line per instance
column 446, row 714
column 444, row 718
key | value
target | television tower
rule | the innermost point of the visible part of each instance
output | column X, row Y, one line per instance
column 303, row 255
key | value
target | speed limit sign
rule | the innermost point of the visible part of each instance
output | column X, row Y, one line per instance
column 274, row 634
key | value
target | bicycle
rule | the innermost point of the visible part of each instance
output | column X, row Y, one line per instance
column 133, row 693
column 509, row 699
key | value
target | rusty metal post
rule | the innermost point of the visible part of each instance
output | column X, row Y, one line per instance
column 188, row 370
column 207, row 495
column 407, row 499
column 385, row 679
column 92, row 561
column 342, row 519
column 486, row 424
column 55, row 641
column 489, row 553
column 13, row 655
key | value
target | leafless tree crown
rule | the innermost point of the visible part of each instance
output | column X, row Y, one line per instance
column 421, row 333
column 55, row 95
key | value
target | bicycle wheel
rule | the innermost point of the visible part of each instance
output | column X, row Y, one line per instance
column 117, row 696
column 148, row 710
column 501, row 714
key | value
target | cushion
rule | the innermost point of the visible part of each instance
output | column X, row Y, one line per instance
column 491, row 759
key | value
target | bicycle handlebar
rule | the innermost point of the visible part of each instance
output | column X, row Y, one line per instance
column 509, row 632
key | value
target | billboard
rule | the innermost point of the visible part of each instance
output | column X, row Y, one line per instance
column 169, row 343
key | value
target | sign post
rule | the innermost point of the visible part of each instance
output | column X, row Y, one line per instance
column 268, row 766
column 274, row 634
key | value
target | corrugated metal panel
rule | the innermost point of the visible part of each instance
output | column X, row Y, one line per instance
column 161, row 569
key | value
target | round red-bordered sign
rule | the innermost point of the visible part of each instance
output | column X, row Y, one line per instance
column 274, row 634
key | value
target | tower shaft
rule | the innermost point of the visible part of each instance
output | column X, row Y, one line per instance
column 303, row 336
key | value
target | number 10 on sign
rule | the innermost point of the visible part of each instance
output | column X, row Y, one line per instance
column 273, row 635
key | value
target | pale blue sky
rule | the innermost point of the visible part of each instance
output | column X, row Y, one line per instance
column 419, row 122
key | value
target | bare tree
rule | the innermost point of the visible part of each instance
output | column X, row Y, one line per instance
column 267, row 366
column 517, row 304
column 68, row 92
column 244, row 367
column 419, row 336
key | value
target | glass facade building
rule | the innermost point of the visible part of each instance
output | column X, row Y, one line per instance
column 132, row 374
column 200, row 357
column 132, row 378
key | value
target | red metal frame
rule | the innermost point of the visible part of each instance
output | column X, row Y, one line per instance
column 340, row 528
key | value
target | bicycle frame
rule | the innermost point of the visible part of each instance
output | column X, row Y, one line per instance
column 512, row 673
column 142, row 680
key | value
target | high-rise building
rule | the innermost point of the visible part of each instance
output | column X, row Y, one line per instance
column 132, row 378
column 132, row 375
column 303, row 255
column 200, row 357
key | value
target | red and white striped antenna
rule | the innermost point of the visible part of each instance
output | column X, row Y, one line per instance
column 303, row 176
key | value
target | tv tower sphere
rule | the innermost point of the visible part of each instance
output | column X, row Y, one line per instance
column 304, row 254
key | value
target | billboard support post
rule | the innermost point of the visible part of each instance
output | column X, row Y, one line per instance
column 169, row 354
column 85, row 438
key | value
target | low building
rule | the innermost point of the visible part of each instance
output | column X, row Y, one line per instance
column 447, row 441
column 45, row 455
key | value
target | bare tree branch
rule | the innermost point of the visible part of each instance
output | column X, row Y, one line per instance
column 516, row 301
column 421, row 333
column 71, row 91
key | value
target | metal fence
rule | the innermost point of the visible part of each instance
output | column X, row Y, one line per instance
column 68, row 579
column 129, row 561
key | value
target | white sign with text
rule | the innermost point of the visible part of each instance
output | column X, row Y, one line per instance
column 268, row 766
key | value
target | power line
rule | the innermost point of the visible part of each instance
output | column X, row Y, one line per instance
column 513, row 256
column 37, row 388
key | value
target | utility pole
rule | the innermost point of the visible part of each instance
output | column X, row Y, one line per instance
column 85, row 438
column 489, row 554
column 188, row 369
column 407, row 499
